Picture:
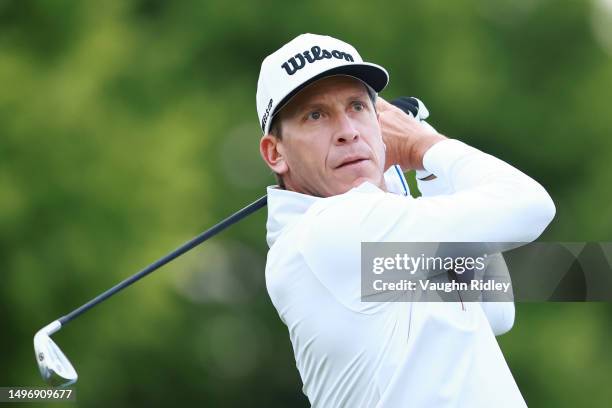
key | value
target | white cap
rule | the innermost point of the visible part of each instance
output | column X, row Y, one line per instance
column 303, row 60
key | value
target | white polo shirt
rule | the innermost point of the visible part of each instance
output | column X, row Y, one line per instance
column 358, row 354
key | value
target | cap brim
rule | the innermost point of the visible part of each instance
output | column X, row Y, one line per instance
column 372, row 75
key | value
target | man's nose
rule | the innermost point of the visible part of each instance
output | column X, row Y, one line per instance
column 346, row 131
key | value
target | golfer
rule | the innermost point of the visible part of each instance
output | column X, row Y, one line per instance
column 339, row 152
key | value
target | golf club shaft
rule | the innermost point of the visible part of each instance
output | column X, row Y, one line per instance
column 251, row 208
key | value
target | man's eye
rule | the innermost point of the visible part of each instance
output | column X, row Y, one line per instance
column 358, row 106
column 316, row 115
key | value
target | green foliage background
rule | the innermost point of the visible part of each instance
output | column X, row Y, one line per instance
column 127, row 127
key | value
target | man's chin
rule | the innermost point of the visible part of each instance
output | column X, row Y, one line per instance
column 362, row 179
column 358, row 176
column 346, row 185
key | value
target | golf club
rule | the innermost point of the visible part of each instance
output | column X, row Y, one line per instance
column 55, row 369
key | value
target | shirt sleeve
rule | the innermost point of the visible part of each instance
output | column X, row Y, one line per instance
column 491, row 202
column 431, row 187
column 500, row 315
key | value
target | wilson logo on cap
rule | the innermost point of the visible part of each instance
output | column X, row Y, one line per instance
column 298, row 62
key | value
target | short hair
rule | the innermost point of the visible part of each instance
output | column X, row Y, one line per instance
column 277, row 131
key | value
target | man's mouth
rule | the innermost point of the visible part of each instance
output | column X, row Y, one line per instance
column 352, row 161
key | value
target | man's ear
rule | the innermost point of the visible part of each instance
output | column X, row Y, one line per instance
column 271, row 149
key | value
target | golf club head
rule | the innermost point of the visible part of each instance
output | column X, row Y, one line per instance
column 54, row 367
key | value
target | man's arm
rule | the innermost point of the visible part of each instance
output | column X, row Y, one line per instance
column 490, row 200
column 500, row 315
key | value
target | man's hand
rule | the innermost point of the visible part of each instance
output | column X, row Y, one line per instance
column 405, row 138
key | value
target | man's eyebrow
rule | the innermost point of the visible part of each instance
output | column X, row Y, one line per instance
column 309, row 106
column 359, row 96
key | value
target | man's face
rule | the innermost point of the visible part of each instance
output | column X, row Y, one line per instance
column 331, row 139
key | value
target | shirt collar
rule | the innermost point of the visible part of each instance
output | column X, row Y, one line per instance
column 285, row 207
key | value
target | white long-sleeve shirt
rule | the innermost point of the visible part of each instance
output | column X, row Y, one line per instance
column 357, row 354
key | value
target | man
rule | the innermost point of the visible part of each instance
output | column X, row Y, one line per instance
column 337, row 151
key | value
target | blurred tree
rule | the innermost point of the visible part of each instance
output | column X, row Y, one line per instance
column 126, row 127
